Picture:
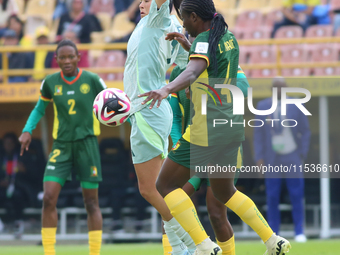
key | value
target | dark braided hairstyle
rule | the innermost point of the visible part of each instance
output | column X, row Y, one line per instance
column 66, row 42
column 205, row 9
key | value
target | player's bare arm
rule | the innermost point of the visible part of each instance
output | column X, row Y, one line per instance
column 195, row 68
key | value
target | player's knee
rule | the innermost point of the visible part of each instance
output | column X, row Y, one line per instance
column 91, row 205
column 49, row 201
column 217, row 219
column 147, row 192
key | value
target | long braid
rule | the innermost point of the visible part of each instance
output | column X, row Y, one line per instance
column 205, row 9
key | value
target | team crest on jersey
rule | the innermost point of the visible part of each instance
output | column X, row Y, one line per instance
column 58, row 90
column 85, row 88
column 176, row 146
column 94, row 172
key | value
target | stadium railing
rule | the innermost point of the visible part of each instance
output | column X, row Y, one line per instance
column 5, row 72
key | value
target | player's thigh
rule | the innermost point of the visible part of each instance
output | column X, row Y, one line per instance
column 87, row 159
column 147, row 172
column 59, row 165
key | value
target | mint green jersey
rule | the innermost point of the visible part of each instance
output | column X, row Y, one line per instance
column 149, row 55
column 73, row 104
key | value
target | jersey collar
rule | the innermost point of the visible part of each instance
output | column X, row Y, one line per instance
column 74, row 80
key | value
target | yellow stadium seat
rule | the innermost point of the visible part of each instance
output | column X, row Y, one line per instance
column 40, row 8
column 272, row 5
column 121, row 26
column 21, row 6
column 251, row 5
column 221, row 5
column 105, row 20
column 229, row 17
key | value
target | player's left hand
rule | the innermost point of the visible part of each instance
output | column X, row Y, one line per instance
column 155, row 95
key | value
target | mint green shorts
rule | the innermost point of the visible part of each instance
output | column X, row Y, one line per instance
column 150, row 130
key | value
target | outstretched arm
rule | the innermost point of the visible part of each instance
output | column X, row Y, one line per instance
column 194, row 69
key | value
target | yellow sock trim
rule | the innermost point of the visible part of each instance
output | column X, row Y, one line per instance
column 245, row 208
column 95, row 242
column 228, row 247
column 48, row 240
column 166, row 245
column 182, row 208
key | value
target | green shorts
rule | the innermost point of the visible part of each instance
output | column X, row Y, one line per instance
column 197, row 182
column 81, row 155
column 197, row 157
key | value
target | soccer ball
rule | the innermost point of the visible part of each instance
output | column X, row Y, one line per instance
column 112, row 107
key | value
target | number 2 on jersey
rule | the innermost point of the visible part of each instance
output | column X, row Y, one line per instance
column 56, row 153
column 71, row 102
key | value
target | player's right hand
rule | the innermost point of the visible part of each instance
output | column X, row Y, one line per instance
column 25, row 140
column 179, row 38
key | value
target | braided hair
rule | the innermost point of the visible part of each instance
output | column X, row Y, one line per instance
column 66, row 42
column 205, row 9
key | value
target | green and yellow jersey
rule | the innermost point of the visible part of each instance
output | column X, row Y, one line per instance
column 72, row 101
column 201, row 130
column 180, row 104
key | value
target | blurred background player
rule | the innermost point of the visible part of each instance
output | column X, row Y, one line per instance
column 75, row 144
column 214, row 54
column 277, row 145
column 149, row 56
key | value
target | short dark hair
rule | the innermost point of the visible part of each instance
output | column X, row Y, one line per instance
column 66, row 42
column 11, row 136
column 171, row 5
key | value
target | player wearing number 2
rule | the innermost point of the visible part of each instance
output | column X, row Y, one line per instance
column 75, row 144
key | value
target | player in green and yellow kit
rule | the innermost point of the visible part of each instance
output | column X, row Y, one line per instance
column 180, row 105
column 75, row 145
column 213, row 60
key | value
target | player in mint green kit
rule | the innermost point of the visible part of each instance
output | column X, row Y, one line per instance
column 149, row 56
column 75, row 145
column 180, row 104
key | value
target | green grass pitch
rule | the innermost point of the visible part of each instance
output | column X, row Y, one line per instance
column 312, row 247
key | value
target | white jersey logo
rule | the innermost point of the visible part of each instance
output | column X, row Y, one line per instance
column 202, row 47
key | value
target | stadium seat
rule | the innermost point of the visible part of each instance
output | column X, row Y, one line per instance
column 326, row 71
column 264, row 73
column 229, row 17
column 251, row 5
column 257, row 33
column 32, row 23
column 105, row 20
column 263, row 55
column 249, row 19
column 335, row 5
column 289, row 32
column 244, row 54
column 273, row 5
column 106, row 6
column 294, row 54
column 40, row 8
column 291, row 72
column 111, row 59
column 325, row 53
column 272, row 17
column 114, row 160
column 222, row 5
column 121, row 26
column 320, row 31
column 21, row 7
